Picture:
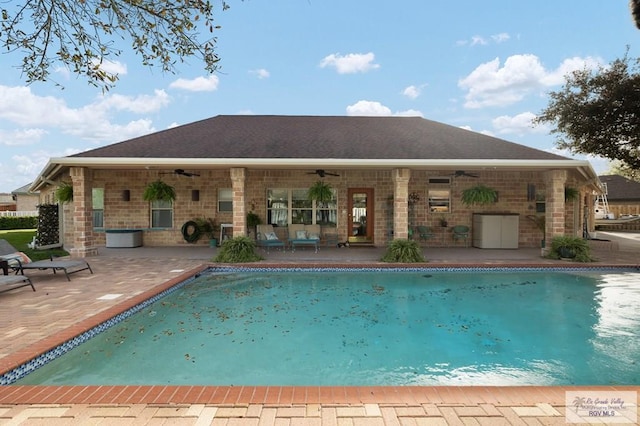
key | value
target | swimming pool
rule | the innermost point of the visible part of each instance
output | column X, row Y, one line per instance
column 369, row 327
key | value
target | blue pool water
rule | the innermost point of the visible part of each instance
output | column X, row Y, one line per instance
column 372, row 328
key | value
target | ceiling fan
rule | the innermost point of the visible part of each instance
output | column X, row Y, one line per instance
column 181, row 172
column 322, row 173
column 459, row 173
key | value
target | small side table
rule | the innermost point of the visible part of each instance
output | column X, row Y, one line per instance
column 224, row 231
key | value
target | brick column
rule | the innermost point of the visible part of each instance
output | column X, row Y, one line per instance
column 83, row 240
column 239, row 208
column 554, row 204
column 401, row 203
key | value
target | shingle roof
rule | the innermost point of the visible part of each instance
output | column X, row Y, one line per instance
column 269, row 137
column 620, row 188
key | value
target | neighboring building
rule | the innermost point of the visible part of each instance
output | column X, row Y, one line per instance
column 26, row 201
column 7, row 203
column 389, row 174
column 623, row 195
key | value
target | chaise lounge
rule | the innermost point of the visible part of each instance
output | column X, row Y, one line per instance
column 19, row 262
column 304, row 235
column 14, row 282
column 267, row 238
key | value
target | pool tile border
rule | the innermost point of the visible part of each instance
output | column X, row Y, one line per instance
column 18, row 365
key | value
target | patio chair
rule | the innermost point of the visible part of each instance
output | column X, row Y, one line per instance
column 14, row 282
column 267, row 238
column 460, row 232
column 425, row 233
column 19, row 261
column 304, row 235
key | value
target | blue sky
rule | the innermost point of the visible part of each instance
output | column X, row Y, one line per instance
column 486, row 66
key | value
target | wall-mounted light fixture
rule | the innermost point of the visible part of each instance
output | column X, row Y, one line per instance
column 195, row 195
column 126, row 195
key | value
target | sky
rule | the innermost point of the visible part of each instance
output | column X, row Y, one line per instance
column 486, row 66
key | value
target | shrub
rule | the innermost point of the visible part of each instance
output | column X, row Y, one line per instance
column 237, row 250
column 403, row 251
column 567, row 246
column 22, row 222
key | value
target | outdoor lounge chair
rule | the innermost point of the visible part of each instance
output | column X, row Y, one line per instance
column 267, row 238
column 68, row 266
column 14, row 282
column 304, row 235
column 18, row 261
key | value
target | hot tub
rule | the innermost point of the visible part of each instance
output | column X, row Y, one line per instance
column 123, row 238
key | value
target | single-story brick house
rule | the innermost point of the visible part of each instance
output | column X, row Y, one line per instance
column 388, row 175
column 623, row 195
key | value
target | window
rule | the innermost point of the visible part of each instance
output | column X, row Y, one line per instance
column 161, row 214
column 225, row 200
column 97, row 199
column 288, row 206
column 439, row 194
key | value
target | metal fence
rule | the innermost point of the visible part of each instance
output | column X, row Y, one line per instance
column 18, row 214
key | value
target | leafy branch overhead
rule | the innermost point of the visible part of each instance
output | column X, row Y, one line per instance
column 596, row 112
column 79, row 35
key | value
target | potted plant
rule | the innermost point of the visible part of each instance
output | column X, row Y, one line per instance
column 403, row 251
column 571, row 194
column 479, row 195
column 320, row 192
column 443, row 221
column 64, row 192
column 253, row 220
column 159, row 191
column 209, row 228
column 570, row 247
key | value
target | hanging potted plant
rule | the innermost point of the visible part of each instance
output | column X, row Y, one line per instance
column 159, row 191
column 479, row 195
column 571, row 194
column 320, row 192
column 64, row 192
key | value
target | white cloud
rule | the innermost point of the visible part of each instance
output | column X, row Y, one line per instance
column 478, row 40
column 198, row 84
column 113, row 67
column 376, row 109
column 261, row 73
column 500, row 38
column 91, row 122
column 140, row 104
column 492, row 85
column 519, row 124
column 351, row 63
column 412, row 92
column 21, row 137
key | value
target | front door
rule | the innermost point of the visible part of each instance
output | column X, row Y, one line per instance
column 360, row 215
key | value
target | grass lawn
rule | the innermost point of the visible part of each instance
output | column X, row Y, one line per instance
column 19, row 238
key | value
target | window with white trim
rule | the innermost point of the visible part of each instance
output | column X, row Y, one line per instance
column 97, row 200
column 225, row 200
column 161, row 214
column 289, row 206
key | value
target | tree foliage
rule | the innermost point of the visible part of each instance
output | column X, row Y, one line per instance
column 79, row 35
column 596, row 112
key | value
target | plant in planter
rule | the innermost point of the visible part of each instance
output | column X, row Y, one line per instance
column 238, row 250
column 209, row 228
column 320, row 192
column 64, row 192
column 403, row 251
column 570, row 247
column 443, row 221
column 159, row 191
column 571, row 194
column 479, row 195
column 253, row 220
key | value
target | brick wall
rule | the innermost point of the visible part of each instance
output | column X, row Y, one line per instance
column 135, row 213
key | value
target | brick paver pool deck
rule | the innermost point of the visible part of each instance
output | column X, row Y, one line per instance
column 32, row 322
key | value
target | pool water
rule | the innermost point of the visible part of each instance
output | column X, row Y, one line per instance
column 372, row 328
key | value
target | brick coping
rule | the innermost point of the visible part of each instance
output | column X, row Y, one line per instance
column 36, row 394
